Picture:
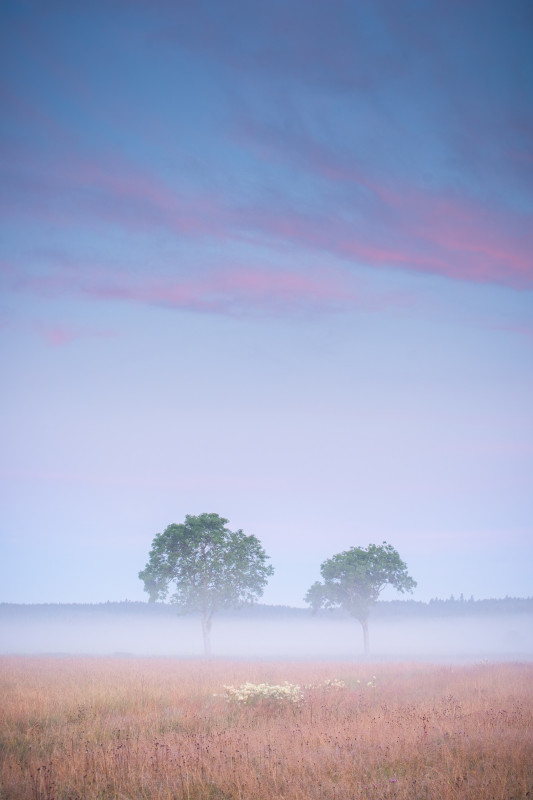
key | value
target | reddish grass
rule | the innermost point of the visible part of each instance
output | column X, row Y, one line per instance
column 98, row 728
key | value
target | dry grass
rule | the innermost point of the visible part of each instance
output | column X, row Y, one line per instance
column 88, row 728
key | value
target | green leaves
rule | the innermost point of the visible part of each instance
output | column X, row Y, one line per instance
column 208, row 566
column 354, row 579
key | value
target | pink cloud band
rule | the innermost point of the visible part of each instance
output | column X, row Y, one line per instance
column 400, row 227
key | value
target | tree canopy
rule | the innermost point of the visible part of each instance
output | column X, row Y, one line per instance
column 208, row 566
column 354, row 579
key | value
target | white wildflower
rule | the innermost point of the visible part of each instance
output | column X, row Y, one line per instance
column 334, row 683
column 253, row 693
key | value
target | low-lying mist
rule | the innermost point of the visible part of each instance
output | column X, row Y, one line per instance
column 502, row 637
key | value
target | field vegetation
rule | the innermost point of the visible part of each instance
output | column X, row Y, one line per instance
column 128, row 728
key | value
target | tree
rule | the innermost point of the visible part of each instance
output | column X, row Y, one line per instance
column 210, row 566
column 354, row 579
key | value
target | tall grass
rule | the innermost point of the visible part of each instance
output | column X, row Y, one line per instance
column 98, row 728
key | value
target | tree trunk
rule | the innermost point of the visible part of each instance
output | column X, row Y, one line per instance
column 366, row 638
column 206, row 631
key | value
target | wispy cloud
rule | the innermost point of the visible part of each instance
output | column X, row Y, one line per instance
column 367, row 223
column 57, row 335
column 395, row 223
column 229, row 291
column 77, row 191
column 522, row 329
column 248, row 240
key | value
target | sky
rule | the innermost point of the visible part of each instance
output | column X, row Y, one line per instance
column 272, row 260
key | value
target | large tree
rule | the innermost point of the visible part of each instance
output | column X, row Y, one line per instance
column 354, row 579
column 209, row 567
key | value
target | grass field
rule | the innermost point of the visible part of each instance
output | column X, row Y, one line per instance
column 88, row 728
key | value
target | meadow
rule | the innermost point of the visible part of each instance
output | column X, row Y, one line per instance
column 96, row 728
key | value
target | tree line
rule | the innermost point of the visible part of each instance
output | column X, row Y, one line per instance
column 383, row 609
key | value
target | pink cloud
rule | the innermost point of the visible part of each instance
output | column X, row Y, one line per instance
column 57, row 335
column 232, row 292
column 398, row 224
column 227, row 291
column 511, row 327
column 224, row 289
column 428, row 235
column 274, row 290
column 366, row 222
column 74, row 191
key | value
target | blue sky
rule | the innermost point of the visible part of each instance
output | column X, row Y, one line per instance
column 272, row 261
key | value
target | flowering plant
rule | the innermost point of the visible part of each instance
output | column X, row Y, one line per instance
column 333, row 683
column 250, row 694
column 371, row 683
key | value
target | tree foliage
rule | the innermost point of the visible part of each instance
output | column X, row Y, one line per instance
column 208, row 567
column 354, row 579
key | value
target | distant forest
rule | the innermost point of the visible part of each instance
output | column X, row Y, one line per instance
column 452, row 607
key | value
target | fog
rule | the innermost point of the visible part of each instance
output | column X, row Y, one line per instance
column 501, row 637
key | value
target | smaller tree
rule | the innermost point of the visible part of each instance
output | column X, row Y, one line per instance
column 210, row 567
column 354, row 579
